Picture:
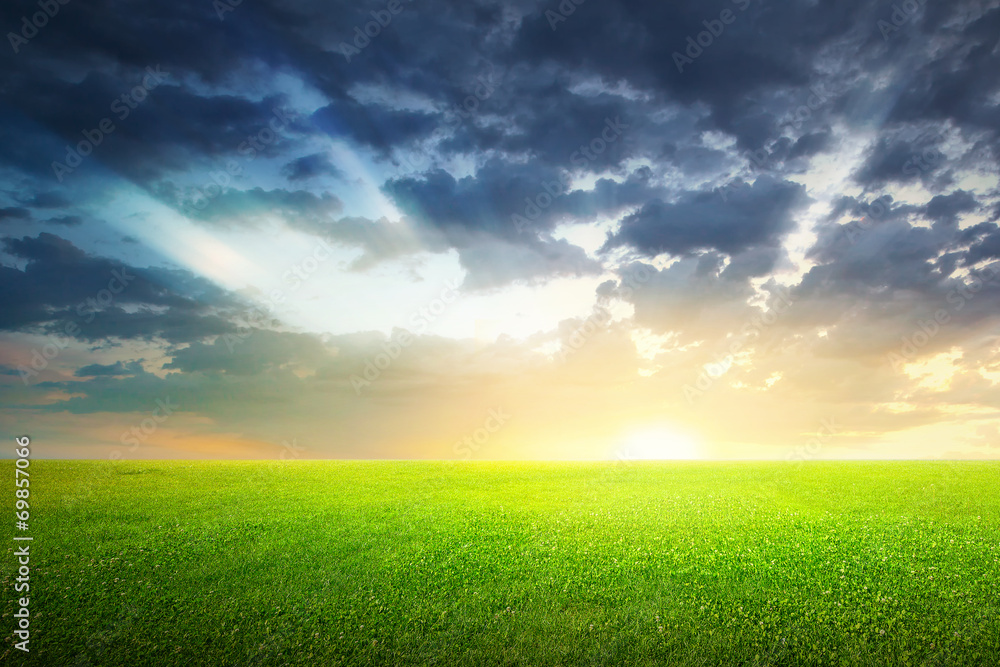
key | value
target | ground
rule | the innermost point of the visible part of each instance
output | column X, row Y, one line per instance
column 478, row 563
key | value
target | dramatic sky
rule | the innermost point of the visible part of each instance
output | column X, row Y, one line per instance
column 588, row 229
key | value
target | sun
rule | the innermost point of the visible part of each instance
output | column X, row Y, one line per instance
column 658, row 443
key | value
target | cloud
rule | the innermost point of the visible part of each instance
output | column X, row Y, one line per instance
column 117, row 369
column 260, row 352
column 522, row 189
column 310, row 166
column 14, row 213
column 61, row 285
column 239, row 207
column 66, row 220
column 947, row 208
column 900, row 159
column 702, row 220
column 48, row 199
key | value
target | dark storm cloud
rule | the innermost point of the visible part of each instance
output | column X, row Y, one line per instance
column 488, row 201
column 60, row 285
column 490, row 264
column 764, row 48
column 46, row 200
column 112, row 393
column 764, row 56
column 900, row 159
column 186, row 35
column 259, row 353
column 489, row 261
column 14, row 213
column 439, row 54
column 696, row 298
column 310, row 166
column 987, row 246
column 958, row 80
column 873, row 287
column 702, row 220
column 178, row 325
column 548, row 94
column 66, row 220
column 809, row 144
column 874, row 209
column 374, row 125
column 947, row 208
column 882, row 228
column 171, row 129
column 892, row 255
column 117, row 369
column 541, row 116
column 519, row 205
column 753, row 263
column 564, row 129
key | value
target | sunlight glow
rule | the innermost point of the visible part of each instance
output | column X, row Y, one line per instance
column 659, row 443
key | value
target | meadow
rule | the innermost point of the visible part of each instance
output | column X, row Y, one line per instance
column 483, row 563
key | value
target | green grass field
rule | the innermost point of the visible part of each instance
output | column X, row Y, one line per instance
column 440, row 563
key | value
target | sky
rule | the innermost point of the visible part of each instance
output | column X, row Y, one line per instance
column 597, row 229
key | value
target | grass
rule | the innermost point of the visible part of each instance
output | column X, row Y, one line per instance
column 441, row 563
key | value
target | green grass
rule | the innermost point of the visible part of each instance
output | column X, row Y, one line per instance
column 440, row 563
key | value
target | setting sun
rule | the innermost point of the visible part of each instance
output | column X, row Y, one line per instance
column 659, row 443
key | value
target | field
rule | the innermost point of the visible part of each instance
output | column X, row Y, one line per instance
column 443, row 563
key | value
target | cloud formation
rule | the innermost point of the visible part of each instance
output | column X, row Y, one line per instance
column 810, row 195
